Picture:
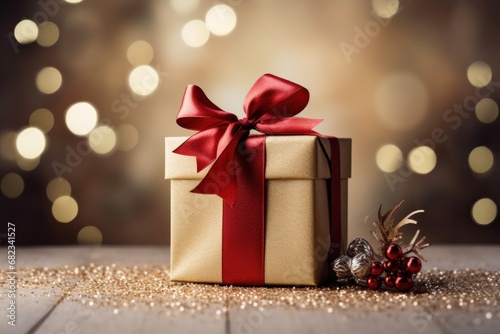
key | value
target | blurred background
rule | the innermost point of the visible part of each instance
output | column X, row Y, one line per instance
column 89, row 89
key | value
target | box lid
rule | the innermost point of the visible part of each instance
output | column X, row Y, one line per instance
column 287, row 157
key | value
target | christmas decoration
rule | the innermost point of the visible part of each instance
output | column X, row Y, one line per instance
column 390, row 266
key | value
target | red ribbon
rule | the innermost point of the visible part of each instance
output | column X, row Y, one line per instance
column 237, row 173
column 269, row 106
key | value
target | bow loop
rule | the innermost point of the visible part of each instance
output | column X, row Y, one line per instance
column 275, row 97
column 198, row 113
column 270, row 106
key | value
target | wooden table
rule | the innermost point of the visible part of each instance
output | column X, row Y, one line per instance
column 55, row 314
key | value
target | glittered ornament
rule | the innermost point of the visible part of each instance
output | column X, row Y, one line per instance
column 393, row 252
column 341, row 266
column 361, row 265
column 403, row 284
column 359, row 246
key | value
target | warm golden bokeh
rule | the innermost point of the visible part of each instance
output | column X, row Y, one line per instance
column 64, row 209
column 92, row 88
column 48, row 34
column 81, row 118
column 484, row 211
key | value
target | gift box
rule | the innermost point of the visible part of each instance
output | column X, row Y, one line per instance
column 297, row 213
column 256, row 209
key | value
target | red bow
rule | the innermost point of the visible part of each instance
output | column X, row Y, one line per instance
column 269, row 106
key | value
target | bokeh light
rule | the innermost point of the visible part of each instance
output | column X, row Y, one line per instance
column 81, row 118
column 422, row 159
column 184, row 6
column 140, row 53
column 220, row 20
column 89, row 235
column 486, row 111
column 64, row 209
column 30, row 143
column 27, row 164
column 143, row 80
column 484, row 211
column 12, row 185
column 73, row 1
column 195, row 33
column 48, row 34
column 8, row 145
column 48, row 80
column 58, row 187
column 389, row 158
column 26, row 32
column 43, row 119
column 481, row 159
column 401, row 101
column 102, row 139
column 127, row 137
column 385, row 8
column 479, row 74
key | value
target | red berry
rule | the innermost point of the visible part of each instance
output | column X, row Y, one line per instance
column 377, row 268
column 393, row 252
column 413, row 265
column 404, row 283
column 403, row 272
column 390, row 281
column 373, row 282
column 391, row 266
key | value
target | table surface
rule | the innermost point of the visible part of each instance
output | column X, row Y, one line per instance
column 55, row 312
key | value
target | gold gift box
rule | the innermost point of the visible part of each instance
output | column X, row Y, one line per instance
column 297, row 223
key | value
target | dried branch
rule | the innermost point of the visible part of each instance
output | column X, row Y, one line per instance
column 385, row 233
column 416, row 247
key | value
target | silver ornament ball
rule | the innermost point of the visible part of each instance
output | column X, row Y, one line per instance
column 341, row 266
column 361, row 265
column 360, row 246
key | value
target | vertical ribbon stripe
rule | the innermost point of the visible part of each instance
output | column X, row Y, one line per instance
column 243, row 226
column 335, row 200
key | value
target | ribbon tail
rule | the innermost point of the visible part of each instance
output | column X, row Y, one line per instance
column 221, row 179
column 208, row 140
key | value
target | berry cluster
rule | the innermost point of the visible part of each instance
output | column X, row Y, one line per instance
column 389, row 265
column 398, row 269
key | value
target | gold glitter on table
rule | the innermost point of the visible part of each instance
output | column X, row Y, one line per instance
column 149, row 288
